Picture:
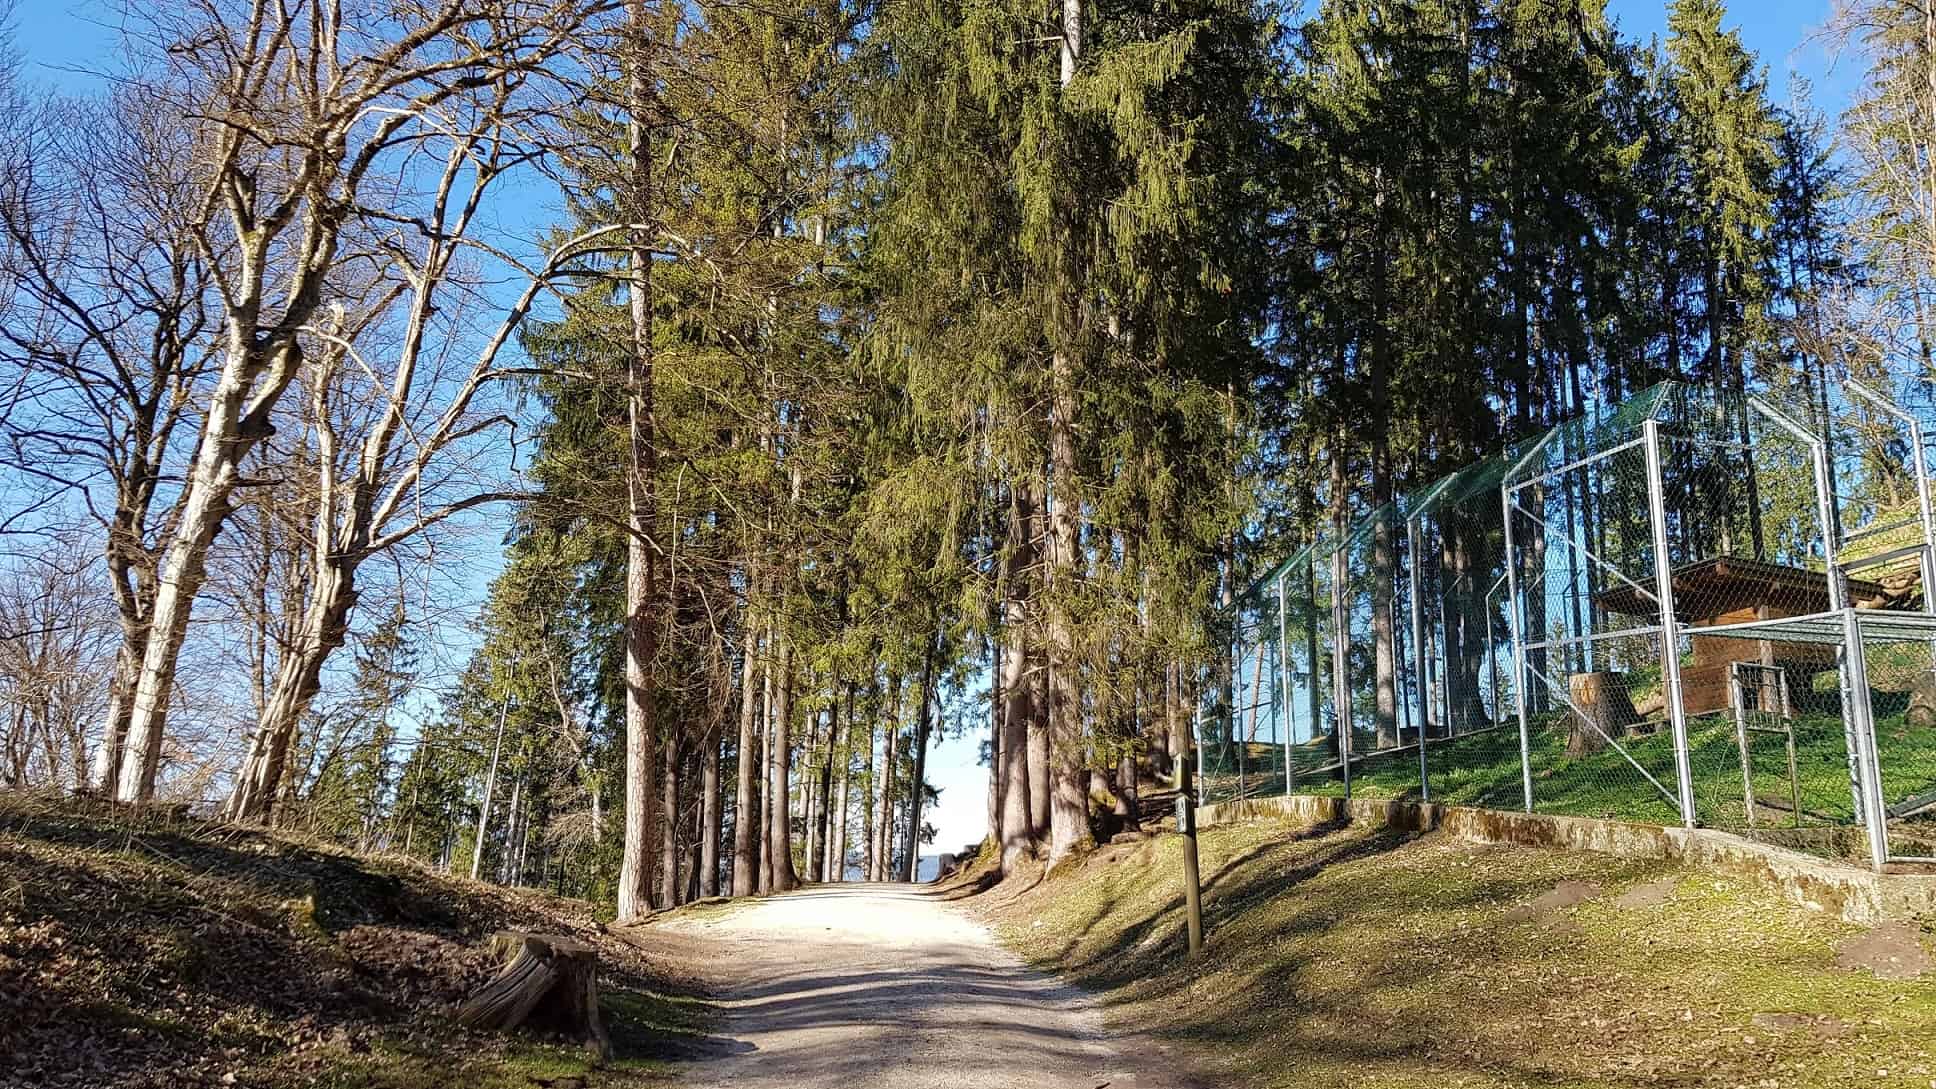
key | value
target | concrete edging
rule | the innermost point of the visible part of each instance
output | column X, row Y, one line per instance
column 1851, row 893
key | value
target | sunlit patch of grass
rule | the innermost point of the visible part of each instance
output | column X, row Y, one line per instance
column 1361, row 958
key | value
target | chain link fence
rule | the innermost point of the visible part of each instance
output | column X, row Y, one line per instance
column 1696, row 607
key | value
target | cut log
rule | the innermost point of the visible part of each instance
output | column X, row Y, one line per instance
column 1922, row 702
column 1601, row 710
column 548, row 983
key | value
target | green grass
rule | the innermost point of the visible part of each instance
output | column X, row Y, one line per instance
column 1368, row 960
column 1483, row 769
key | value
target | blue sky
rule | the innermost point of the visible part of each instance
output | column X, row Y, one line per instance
column 64, row 41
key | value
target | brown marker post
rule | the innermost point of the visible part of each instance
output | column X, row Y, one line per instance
column 1186, row 825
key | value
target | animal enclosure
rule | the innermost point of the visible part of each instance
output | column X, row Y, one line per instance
column 1696, row 607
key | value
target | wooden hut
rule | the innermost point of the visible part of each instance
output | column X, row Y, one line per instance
column 1736, row 590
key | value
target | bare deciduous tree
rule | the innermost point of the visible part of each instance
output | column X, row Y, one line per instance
column 312, row 127
column 56, row 652
column 106, row 339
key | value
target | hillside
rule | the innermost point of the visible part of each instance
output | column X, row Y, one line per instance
column 143, row 951
column 1370, row 959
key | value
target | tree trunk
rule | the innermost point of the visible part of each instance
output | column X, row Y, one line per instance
column 1384, row 565
column 641, row 634
column 837, row 846
column 490, row 786
column 911, row 866
column 880, row 865
column 669, row 886
column 1034, row 691
column 769, row 677
column 204, row 508
column 325, row 628
column 746, row 800
column 1341, row 694
column 869, row 841
column 994, row 815
column 507, row 866
column 814, row 780
column 828, row 821
column 127, row 674
column 1068, row 800
column 779, row 847
column 1017, row 828
column 709, row 816
column 1176, row 710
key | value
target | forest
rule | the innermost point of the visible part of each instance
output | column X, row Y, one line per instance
column 815, row 378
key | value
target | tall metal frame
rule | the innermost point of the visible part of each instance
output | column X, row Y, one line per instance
column 1640, row 427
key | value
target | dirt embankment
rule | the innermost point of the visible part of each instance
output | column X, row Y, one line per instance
column 139, row 951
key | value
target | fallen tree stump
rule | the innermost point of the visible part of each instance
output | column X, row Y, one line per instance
column 547, row 982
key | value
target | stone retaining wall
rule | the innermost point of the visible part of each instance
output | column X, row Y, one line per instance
column 1852, row 893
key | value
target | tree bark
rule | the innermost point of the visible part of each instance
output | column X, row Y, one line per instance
column 1016, row 833
column 813, row 780
column 779, row 847
column 669, row 776
column 994, row 814
column 641, row 634
column 746, row 801
column 709, row 816
column 490, row 786
column 837, row 846
column 870, row 778
column 911, row 866
column 325, row 628
column 1068, row 800
column 1034, row 694
column 880, row 865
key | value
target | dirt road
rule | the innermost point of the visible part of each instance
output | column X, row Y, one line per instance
column 891, row 987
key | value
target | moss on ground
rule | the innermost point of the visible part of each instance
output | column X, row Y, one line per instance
column 1368, row 959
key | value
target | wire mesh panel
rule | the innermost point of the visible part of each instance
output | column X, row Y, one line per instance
column 1899, row 674
column 1695, row 607
column 1590, row 615
column 1371, row 605
column 1311, row 704
column 1465, row 648
column 1747, row 495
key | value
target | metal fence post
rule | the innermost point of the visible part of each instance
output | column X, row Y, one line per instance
column 1670, row 640
column 1284, row 701
column 1341, row 663
column 1418, row 660
column 1236, row 733
column 1851, row 671
column 1868, row 768
column 1519, row 650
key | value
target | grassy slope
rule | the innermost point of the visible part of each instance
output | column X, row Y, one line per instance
column 136, row 951
column 1483, row 769
column 1353, row 958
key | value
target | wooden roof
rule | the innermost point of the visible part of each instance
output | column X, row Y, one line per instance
column 1726, row 584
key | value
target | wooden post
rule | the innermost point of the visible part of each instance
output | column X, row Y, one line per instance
column 1186, row 826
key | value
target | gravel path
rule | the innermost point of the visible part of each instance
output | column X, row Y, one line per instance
column 890, row 987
